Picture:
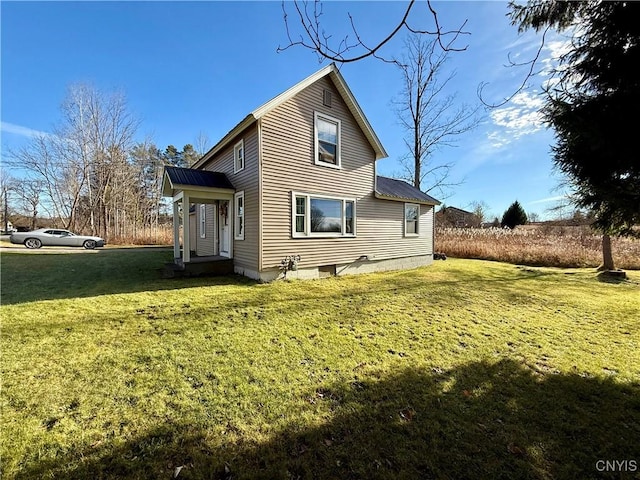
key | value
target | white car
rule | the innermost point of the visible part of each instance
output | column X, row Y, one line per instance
column 55, row 237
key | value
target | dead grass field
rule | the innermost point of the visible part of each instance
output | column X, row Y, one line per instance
column 565, row 247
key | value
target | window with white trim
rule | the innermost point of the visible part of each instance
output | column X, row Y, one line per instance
column 203, row 220
column 239, row 216
column 327, row 140
column 238, row 157
column 322, row 216
column 411, row 220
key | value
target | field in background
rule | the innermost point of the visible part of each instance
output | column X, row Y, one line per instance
column 550, row 246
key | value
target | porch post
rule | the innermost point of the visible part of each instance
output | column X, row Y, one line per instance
column 186, row 229
column 176, row 230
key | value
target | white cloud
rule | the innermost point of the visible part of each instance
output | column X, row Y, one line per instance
column 522, row 117
column 7, row 127
column 548, row 199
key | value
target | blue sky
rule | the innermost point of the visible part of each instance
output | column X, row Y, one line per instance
column 192, row 67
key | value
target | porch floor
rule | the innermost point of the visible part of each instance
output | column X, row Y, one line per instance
column 209, row 258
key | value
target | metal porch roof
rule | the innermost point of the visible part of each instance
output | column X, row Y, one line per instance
column 392, row 189
column 197, row 178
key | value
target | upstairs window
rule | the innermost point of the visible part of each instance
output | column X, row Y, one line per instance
column 327, row 141
column 411, row 219
column 238, row 157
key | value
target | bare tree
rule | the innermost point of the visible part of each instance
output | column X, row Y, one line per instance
column 62, row 182
column 149, row 166
column 99, row 129
column 533, row 217
column 307, row 31
column 202, row 143
column 431, row 117
column 29, row 192
column 83, row 167
column 481, row 210
column 7, row 184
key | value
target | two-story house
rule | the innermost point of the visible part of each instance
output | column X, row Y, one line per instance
column 297, row 177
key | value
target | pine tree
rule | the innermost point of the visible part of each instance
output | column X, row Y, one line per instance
column 596, row 90
column 514, row 215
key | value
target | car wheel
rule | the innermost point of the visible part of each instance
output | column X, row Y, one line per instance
column 89, row 244
column 32, row 243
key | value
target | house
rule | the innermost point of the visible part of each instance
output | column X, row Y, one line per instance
column 296, row 178
column 456, row 217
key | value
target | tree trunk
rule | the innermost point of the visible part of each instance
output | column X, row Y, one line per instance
column 607, row 256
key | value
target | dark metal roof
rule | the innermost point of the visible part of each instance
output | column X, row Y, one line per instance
column 459, row 210
column 198, row 178
column 391, row 187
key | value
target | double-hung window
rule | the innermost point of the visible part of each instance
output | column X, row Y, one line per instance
column 323, row 216
column 327, row 140
column 238, row 157
column 411, row 219
column 239, row 216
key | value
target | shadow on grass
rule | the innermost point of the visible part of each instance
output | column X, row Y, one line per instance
column 615, row 277
column 51, row 276
column 481, row 420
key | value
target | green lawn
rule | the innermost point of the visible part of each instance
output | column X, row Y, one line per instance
column 464, row 369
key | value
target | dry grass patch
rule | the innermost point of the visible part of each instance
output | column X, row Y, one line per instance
column 564, row 247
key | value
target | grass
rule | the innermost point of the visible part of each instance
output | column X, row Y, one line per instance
column 464, row 369
column 576, row 247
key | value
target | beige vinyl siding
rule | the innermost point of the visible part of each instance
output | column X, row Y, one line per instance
column 245, row 252
column 193, row 230
column 288, row 165
column 205, row 246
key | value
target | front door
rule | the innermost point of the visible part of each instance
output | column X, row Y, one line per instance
column 225, row 230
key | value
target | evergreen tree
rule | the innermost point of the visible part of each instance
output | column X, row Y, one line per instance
column 590, row 104
column 514, row 215
column 174, row 157
column 190, row 155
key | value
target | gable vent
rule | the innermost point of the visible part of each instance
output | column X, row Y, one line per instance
column 326, row 98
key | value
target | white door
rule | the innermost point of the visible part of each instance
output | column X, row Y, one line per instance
column 225, row 230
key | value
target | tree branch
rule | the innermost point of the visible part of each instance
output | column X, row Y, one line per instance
column 523, row 85
column 314, row 38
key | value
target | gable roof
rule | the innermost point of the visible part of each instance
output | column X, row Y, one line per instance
column 334, row 74
column 399, row 190
column 175, row 177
